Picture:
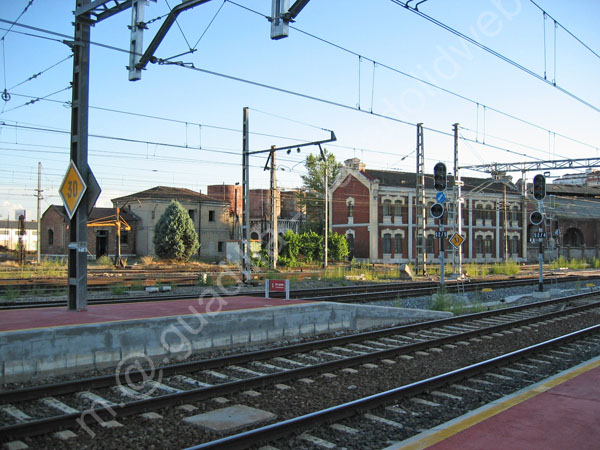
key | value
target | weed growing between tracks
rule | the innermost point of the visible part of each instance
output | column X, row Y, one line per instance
column 442, row 300
column 11, row 293
column 118, row 289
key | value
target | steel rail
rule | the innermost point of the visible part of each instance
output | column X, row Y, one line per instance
column 345, row 294
column 260, row 355
column 135, row 407
column 339, row 412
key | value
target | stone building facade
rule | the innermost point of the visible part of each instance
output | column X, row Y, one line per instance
column 212, row 218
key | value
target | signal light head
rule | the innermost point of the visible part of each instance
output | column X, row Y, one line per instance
column 536, row 218
column 539, row 187
column 437, row 210
column 439, row 177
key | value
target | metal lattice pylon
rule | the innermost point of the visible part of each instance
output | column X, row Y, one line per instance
column 420, row 205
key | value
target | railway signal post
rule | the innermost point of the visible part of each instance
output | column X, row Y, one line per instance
column 537, row 218
column 437, row 210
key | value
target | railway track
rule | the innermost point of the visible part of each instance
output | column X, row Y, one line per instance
column 388, row 418
column 36, row 410
column 101, row 279
column 346, row 294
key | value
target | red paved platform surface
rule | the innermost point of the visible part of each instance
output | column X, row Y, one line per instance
column 565, row 417
column 23, row 319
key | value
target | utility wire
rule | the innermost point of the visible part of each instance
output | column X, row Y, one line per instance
column 183, row 122
column 35, row 75
column 337, row 46
column 208, row 26
column 289, row 119
column 495, row 53
column 413, row 77
column 20, row 15
column 35, row 100
column 545, row 13
column 309, row 97
column 190, row 66
column 179, row 26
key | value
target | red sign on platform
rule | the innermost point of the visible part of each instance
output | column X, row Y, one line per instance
column 277, row 285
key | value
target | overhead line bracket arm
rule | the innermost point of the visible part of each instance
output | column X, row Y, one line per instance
column 148, row 55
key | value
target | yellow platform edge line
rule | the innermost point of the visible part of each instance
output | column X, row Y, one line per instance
column 470, row 421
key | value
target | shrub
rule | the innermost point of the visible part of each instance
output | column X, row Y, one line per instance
column 104, row 260
column 174, row 234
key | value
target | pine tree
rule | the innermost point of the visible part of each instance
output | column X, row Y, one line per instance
column 174, row 234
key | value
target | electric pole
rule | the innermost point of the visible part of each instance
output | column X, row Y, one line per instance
column 245, row 198
column 326, row 221
column 274, row 233
column 39, row 208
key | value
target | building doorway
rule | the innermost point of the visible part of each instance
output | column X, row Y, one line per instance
column 101, row 243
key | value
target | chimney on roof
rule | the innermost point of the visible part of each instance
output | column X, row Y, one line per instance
column 354, row 163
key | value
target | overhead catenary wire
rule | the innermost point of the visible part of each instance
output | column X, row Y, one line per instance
column 209, row 24
column 12, row 24
column 31, row 102
column 346, row 50
column 420, row 80
column 496, row 54
column 557, row 23
column 429, row 129
column 41, row 72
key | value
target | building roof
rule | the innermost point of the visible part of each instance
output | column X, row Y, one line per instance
column 409, row 180
column 572, row 190
column 168, row 193
column 97, row 213
column 14, row 224
column 572, row 208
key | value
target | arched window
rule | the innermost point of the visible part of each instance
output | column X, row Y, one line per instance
column 397, row 208
column 350, row 209
column 50, row 237
column 350, row 241
column 515, row 214
column 387, row 243
column 488, row 244
column 387, row 207
column 398, row 244
column 479, row 211
column 488, row 212
column 478, row 244
column 514, row 246
column 430, row 241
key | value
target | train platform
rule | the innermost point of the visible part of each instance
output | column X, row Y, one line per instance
column 35, row 343
column 27, row 319
column 562, row 412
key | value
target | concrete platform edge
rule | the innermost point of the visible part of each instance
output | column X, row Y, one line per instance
column 452, row 427
column 25, row 354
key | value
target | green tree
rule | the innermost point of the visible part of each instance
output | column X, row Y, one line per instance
column 313, row 188
column 174, row 234
column 338, row 247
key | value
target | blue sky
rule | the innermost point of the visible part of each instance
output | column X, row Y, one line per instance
column 199, row 115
